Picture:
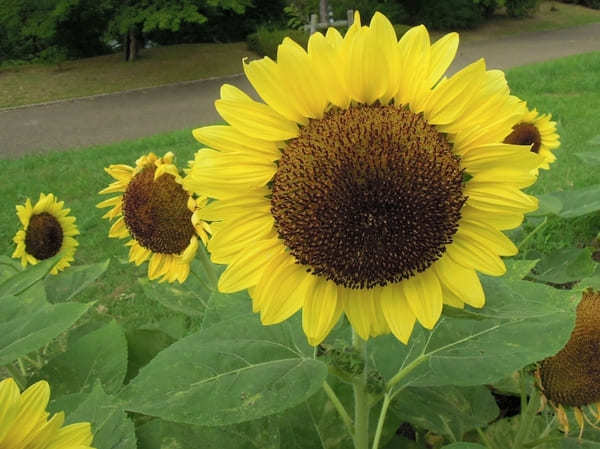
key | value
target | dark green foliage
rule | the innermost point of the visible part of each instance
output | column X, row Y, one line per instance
column 392, row 9
column 446, row 15
column 587, row 3
column 521, row 8
column 265, row 41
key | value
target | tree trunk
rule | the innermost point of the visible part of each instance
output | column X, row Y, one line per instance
column 323, row 13
column 133, row 45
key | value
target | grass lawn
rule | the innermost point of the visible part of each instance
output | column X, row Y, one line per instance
column 569, row 88
column 104, row 74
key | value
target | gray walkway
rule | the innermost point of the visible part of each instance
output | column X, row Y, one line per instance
column 131, row 115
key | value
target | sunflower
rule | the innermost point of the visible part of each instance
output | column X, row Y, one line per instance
column 24, row 422
column 570, row 378
column 158, row 214
column 363, row 184
column 539, row 133
column 48, row 230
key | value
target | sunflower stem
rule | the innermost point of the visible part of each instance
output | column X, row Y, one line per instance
column 484, row 439
column 382, row 414
column 527, row 417
column 361, row 397
column 209, row 269
column 532, row 233
column 340, row 408
column 403, row 372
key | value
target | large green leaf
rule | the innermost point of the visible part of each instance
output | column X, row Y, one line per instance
column 142, row 347
column 589, row 157
column 8, row 268
column 565, row 265
column 27, row 326
column 22, row 280
column 100, row 355
column 522, row 322
column 189, row 298
column 259, row 434
column 64, row 287
column 232, row 372
column 111, row 427
column 448, row 410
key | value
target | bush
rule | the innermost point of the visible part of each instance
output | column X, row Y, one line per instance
column 595, row 4
column 392, row 9
column 521, row 8
column 449, row 14
column 265, row 41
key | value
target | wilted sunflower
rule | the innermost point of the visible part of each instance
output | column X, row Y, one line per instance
column 48, row 230
column 571, row 378
column 364, row 184
column 24, row 422
column 158, row 214
column 538, row 132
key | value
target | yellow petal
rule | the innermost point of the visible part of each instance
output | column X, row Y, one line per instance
column 328, row 67
column 118, row 229
column 501, row 221
column 359, row 308
column 256, row 120
column 399, row 316
column 471, row 254
column 246, row 269
column 228, row 139
column 442, row 55
column 499, row 156
column 415, row 55
column 498, row 197
column 321, row 309
column 488, row 236
column 235, row 206
column 120, row 172
column 423, row 294
column 158, row 265
column 270, row 82
column 461, row 281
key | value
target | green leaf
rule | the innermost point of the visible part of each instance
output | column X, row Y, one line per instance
column 594, row 140
column 188, row 298
column 142, row 347
column 22, row 280
column 69, row 283
column 8, row 268
column 565, row 265
column 232, row 372
column 100, row 355
column 522, row 322
column 518, row 269
column 26, row 327
column 110, row 425
column 259, row 434
column 464, row 445
column 579, row 202
column 548, row 204
column 449, row 410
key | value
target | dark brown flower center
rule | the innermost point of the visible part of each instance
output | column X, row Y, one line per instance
column 156, row 212
column 44, row 236
column 571, row 376
column 368, row 195
column 525, row 134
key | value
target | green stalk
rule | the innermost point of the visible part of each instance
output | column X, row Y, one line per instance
column 209, row 268
column 527, row 417
column 340, row 408
column 532, row 233
column 361, row 398
column 403, row 372
column 382, row 414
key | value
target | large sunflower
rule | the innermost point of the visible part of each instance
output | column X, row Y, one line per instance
column 539, row 133
column 158, row 214
column 24, row 422
column 48, row 230
column 364, row 184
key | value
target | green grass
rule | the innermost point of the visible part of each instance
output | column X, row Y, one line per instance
column 29, row 84
column 569, row 88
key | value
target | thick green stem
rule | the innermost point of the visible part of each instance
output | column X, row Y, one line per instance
column 403, row 372
column 361, row 398
column 382, row 414
column 340, row 408
column 209, row 268
column 527, row 417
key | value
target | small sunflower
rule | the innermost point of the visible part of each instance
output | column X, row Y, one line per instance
column 48, row 230
column 571, row 377
column 158, row 214
column 366, row 183
column 24, row 422
column 538, row 132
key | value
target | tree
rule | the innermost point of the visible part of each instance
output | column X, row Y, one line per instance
column 132, row 18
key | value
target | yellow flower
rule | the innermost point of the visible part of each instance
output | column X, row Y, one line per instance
column 365, row 184
column 158, row 214
column 571, row 377
column 24, row 422
column 538, row 132
column 48, row 230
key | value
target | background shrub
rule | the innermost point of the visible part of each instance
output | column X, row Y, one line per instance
column 521, row 8
column 265, row 41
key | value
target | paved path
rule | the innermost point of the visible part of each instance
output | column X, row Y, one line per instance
column 131, row 115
